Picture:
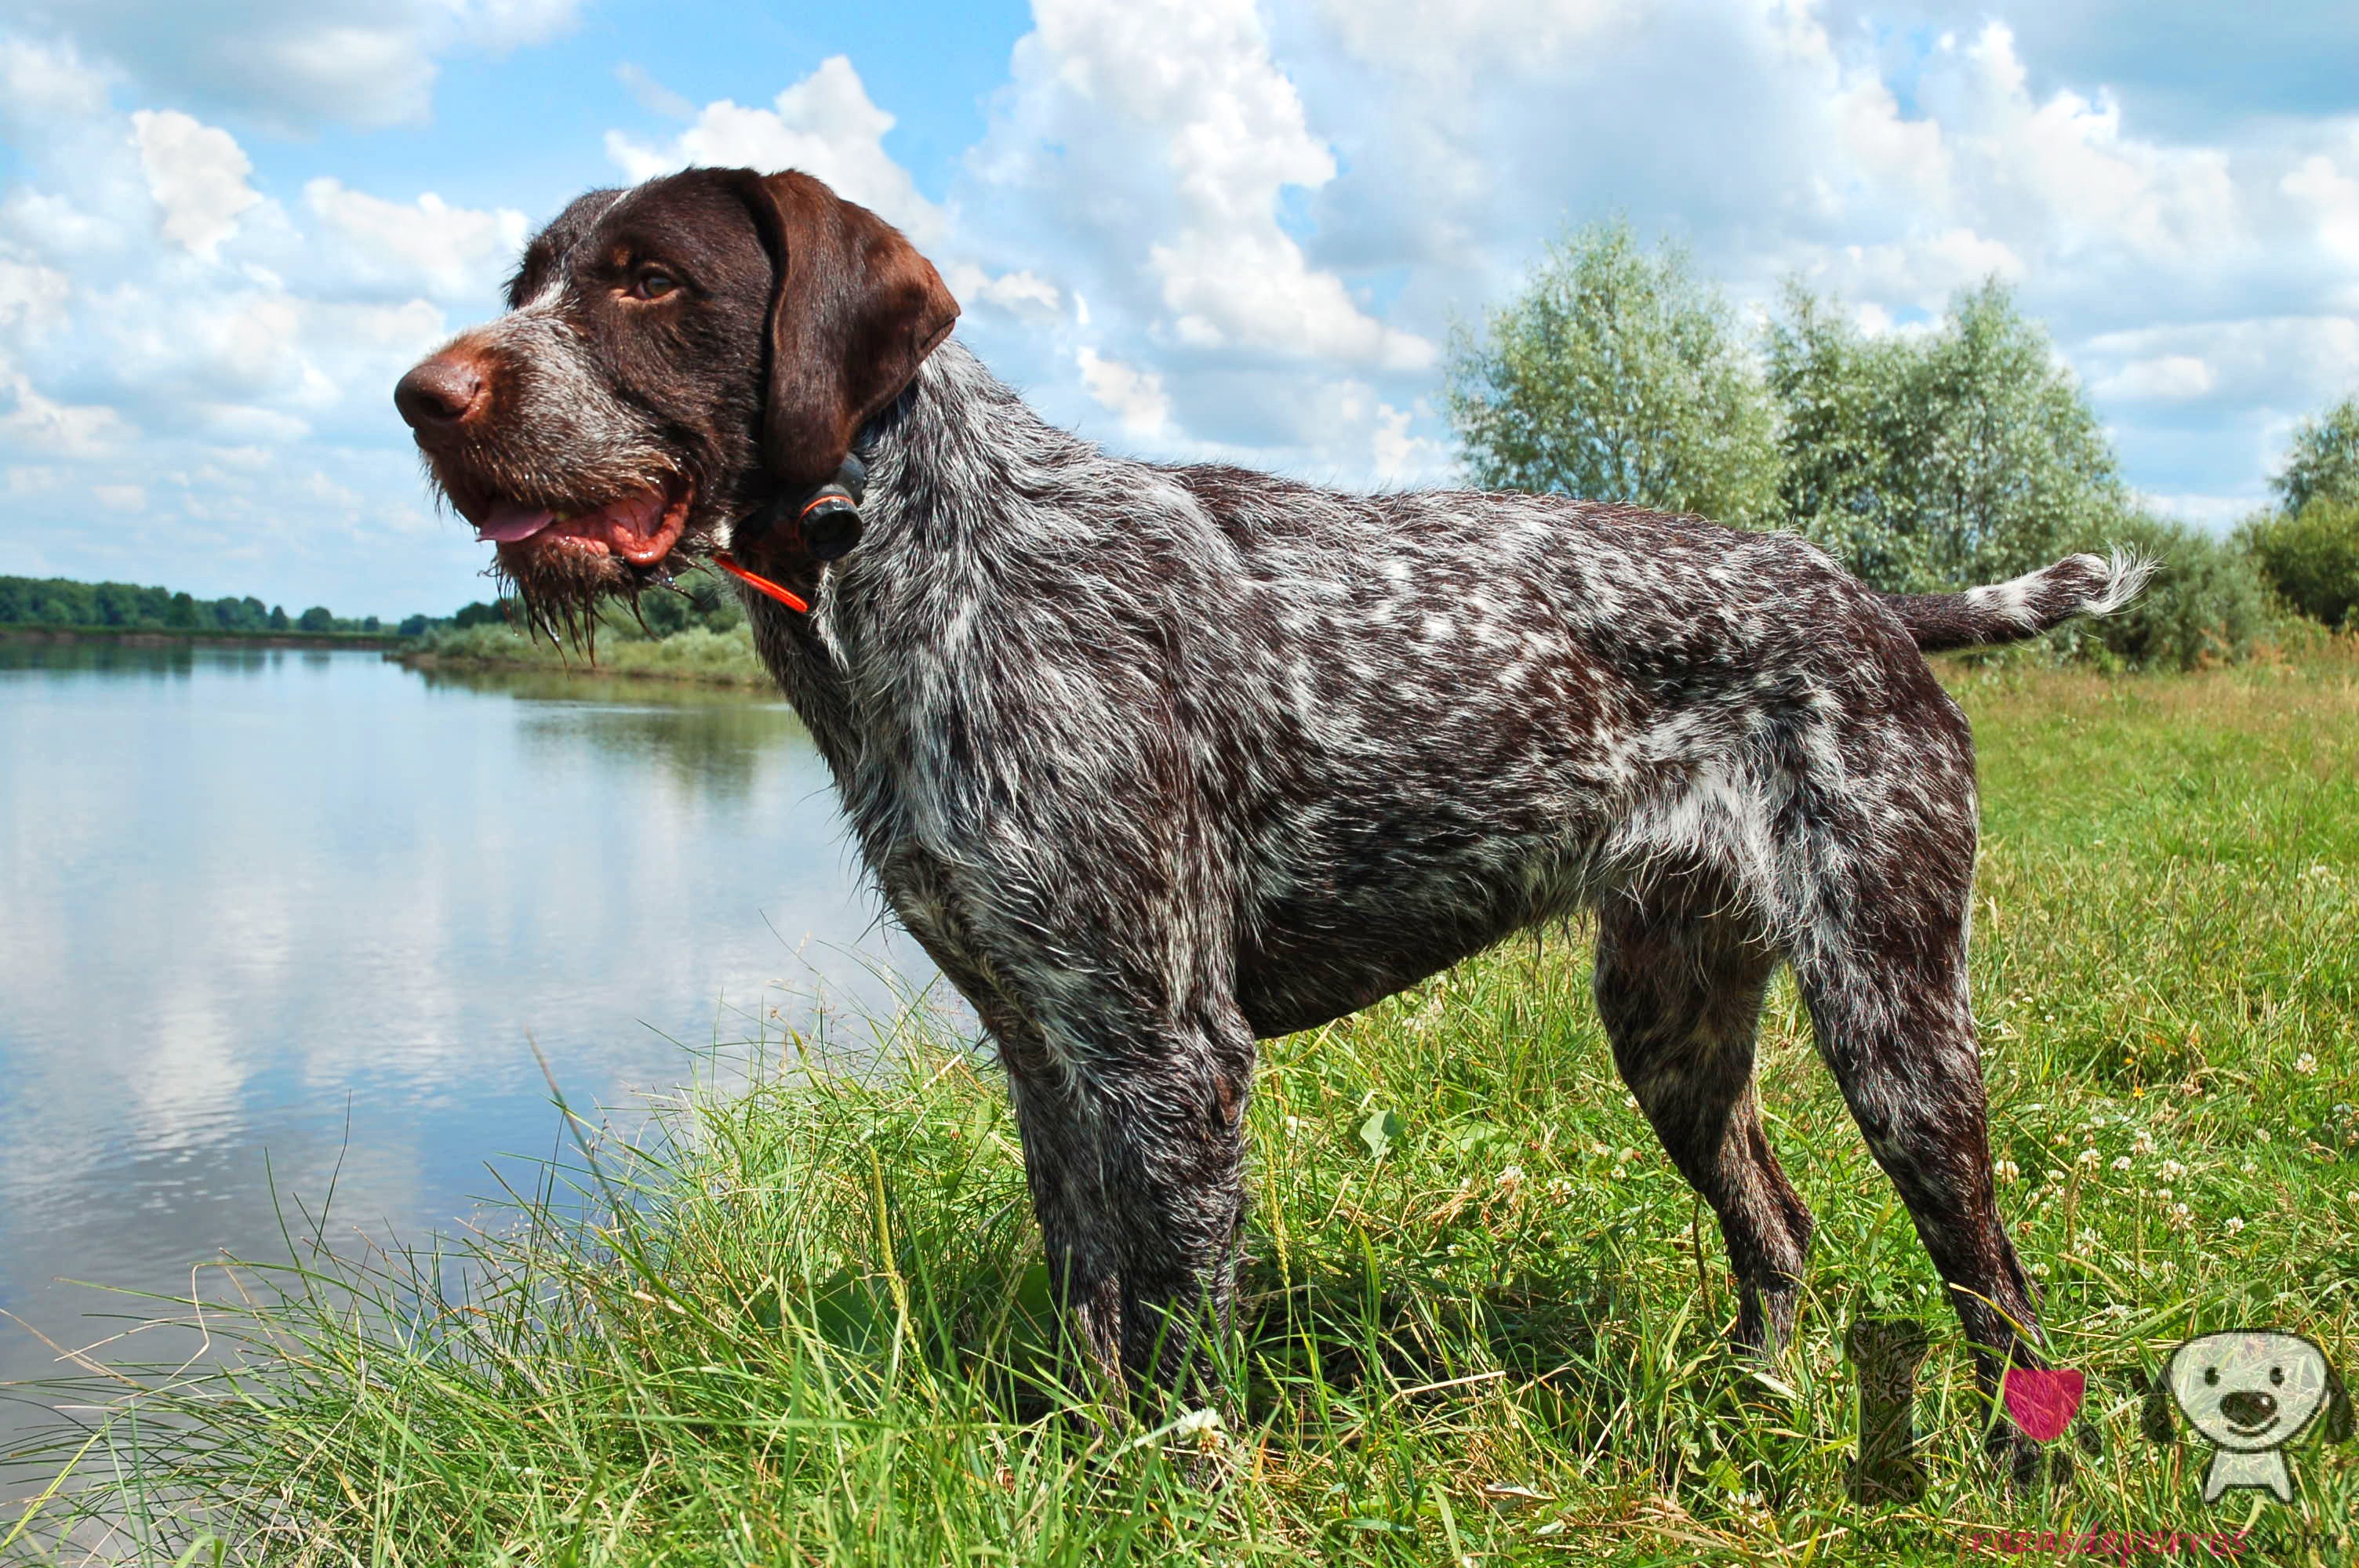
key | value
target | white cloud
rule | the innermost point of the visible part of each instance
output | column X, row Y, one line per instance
column 121, row 497
column 44, row 84
column 1020, row 293
column 32, row 299
column 196, row 174
column 2164, row 376
column 1197, row 83
column 30, row 423
column 2285, row 360
column 1133, row 395
column 300, row 64
column 825, row 126
column 427, row 245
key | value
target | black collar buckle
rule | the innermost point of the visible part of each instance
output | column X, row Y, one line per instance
column 823, row 521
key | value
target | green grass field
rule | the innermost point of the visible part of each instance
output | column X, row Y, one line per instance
column 1481, row 1316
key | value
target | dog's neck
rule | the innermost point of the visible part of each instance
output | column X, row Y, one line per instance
column 961, row 476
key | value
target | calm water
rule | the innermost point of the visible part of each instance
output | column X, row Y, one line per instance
column 318, row 907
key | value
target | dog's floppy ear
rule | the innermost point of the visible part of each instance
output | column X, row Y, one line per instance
column 854, row 311
column 2154, row 1417
column 2339, row 1423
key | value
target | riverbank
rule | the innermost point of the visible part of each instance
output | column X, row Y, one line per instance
column 698, row 654
column 1481, row 1316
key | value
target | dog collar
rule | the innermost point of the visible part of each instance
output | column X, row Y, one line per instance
column 825, row 524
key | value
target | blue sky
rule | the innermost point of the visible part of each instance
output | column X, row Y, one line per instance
column 1205, row 229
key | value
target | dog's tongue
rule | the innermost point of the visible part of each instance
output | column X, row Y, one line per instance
column 508, row 522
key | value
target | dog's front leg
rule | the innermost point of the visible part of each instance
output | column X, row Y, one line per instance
column 1134, row 1146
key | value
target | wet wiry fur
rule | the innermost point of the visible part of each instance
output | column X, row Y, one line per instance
column 1156, row 761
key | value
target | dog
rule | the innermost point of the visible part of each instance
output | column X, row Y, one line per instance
column 2251, row 1394
column 1156, row 761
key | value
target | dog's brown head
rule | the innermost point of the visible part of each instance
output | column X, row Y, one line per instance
column 673, row 356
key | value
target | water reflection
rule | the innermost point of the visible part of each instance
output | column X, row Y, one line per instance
column 314, row 903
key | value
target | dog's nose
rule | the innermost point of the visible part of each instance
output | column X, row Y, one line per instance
column 439, row 391
column 2249, row 1408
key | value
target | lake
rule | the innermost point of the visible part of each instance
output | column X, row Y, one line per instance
column 272, row 917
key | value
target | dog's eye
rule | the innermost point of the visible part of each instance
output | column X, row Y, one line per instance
column 653, row 284
column 2276, row 1375
column 2212, row 1376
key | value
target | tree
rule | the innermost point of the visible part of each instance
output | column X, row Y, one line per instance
column 1963, row 456
column 182, row 614
column 279, row 618
column 415, row 626
column 479, row 614
column 1615, row 375
column 2323, row 462
column 318, row 618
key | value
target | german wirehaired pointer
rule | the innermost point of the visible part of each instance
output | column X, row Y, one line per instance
column 1157, row 760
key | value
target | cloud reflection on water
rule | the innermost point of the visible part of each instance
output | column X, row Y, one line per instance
column 245, row 894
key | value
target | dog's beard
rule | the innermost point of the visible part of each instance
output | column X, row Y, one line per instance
column 562, row 591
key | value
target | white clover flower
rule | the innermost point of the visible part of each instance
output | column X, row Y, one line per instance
column 2007, row 1170
column 2162, row 1193
column 2172, row 1170
column 1600, row 1150
column 2305, row 1063
column 2041, row 1270
column 2236, row 1224
column 2260, row 1135
column 1511, row 1177
column 2248, row 1167
column 2090, row 1158
column 2121, row 1162
column 2180, row 1215
column 2087, row 1238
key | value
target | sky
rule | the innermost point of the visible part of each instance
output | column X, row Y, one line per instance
column 1200, row 229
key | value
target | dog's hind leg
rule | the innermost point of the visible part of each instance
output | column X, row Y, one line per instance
column 1678, row 980
column 1889, row 1003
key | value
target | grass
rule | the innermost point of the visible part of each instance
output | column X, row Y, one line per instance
column 805, row 1322
column 695, row 654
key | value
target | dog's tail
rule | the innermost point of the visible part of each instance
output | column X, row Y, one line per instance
column 2021, row 607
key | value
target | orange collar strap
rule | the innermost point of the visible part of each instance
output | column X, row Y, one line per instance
column 760, row 584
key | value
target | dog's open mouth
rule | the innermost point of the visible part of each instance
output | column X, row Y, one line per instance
column 640, row 528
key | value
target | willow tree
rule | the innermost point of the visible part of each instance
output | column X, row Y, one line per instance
column 1961, row 454
column 1616, row 376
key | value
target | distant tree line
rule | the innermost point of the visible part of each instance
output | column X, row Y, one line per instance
column 66, row 604
column 698, row 596
column 1962, row 453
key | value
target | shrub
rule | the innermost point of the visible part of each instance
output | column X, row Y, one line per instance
column 2311, row 557
column 2206, row 603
